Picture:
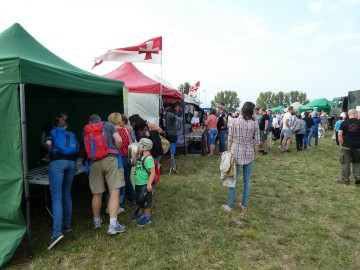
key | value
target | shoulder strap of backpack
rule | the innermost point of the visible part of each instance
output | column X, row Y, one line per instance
column 143, row 163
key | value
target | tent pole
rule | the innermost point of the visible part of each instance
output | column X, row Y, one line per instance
column 25, row 166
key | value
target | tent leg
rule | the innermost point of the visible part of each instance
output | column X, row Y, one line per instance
column 25, row 167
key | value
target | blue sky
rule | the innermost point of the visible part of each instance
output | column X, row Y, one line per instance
column 245, row 46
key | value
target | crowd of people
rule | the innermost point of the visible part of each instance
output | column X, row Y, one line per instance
column 255, row 129
column 105, row 145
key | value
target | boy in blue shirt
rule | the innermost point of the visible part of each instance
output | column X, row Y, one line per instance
column 144, row 177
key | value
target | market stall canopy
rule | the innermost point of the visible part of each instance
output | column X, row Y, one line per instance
column 296, row 105
column 278, row 109
column 25, row 60
column 321, row 103
column 34, row 83
column 137, row 82
column 191, row 100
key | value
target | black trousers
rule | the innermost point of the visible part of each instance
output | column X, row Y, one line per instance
column 299, row 141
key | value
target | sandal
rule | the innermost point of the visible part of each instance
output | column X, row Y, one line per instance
column 243, row 207
column 226, row 208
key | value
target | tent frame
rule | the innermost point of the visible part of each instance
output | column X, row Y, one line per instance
column 25, row 166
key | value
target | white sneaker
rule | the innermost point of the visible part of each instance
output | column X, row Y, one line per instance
column 118, row 228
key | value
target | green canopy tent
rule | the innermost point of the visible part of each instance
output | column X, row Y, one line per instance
column 321, row 103
column 34, row 84
column 278, row 109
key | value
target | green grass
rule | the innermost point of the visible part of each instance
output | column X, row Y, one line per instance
column 298, row 218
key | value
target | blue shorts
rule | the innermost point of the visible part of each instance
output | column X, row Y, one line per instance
column 211, row 134
column 287, row 132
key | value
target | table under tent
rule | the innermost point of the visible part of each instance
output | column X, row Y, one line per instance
column 34, row 85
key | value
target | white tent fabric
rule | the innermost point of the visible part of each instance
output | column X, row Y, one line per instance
column 140, row 105
column 296, row 105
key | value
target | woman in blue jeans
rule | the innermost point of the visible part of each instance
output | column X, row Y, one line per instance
column 243, row 141
column 63, row 147
column 211, row 127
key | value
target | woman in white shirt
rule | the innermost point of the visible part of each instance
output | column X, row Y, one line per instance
column 275, row 129
column 195, row 120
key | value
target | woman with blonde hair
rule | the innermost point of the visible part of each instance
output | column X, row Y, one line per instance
column 115, row 119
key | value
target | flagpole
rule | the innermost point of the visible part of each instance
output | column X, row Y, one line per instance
column 160, row 98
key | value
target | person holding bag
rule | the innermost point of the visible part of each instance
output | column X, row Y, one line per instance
column 243, row 141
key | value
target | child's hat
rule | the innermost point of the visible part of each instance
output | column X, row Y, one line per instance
column 145, row 144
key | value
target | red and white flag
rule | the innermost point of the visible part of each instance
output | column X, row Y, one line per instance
column 193, row 89
column 147, row 52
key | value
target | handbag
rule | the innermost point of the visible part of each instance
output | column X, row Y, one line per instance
column 297, row 127
column 165, row 144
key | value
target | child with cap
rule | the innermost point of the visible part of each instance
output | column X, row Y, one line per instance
column 143, row 182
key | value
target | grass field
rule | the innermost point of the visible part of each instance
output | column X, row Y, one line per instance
column 298, row 218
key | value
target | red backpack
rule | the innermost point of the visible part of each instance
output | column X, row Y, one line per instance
column 96, row 141
column 157, row 170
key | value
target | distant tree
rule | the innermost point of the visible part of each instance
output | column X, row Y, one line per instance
column 184, row 87
column 228, row 97
column 269, row 99
column 266, row 100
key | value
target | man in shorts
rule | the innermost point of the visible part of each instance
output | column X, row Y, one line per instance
column 106, row 170
column 287, row 129
column 263, row 126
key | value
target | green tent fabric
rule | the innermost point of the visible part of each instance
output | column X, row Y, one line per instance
column 321, row 103
column 278, row 109
column 50, row 84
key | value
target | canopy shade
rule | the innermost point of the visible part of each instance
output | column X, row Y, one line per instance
column 25, row 60
column 137, row 82
column 34, row 84
column 296, row 105
column 278, row 109
column 321, row 103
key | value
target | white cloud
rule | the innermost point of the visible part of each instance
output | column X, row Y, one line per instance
column 306, row 28
column 315, row 6
column 323, row 40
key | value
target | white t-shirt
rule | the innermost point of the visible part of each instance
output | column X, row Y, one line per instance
column 275, row 123
column 290, row 118
column 195, row 120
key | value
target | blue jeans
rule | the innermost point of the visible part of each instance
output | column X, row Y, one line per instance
column 246, row 175
column 129, row 188
column 61, row 175
column 223, row 138
column 307, row 137
column 315, row 135
column 212, row 133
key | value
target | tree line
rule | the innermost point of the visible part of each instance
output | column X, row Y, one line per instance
column 266, row 100
column 270, row 99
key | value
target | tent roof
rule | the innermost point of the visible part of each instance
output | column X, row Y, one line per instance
column 137, row 82
column 192, row 100
column 296, row 105
column 278, row 108
column 24, row 60
column 320, row 103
